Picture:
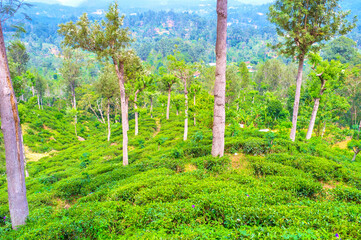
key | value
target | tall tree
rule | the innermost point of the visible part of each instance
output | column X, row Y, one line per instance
column 326, row 76
column 168, row 81
column 10, row 125
column 70, row 71
column 107, row 87
column 219, row 118
column 183, row 71
column 304, row 26
column 108, row 40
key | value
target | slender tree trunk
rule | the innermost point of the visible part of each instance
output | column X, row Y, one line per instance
column 74, row 107
column 297, row 99
column 33, row 90
column 185, row 111
column 108, row 118
column 177, row 112
column 355, row 155
column 194, row 116
column 124, row 105
column 151, row 107
column 38, row 102
column 323, row 129
column 100, row 109
column 168, row 104
column 219, row 118
column 313, row 119
column 136, row 113
column 14, row 152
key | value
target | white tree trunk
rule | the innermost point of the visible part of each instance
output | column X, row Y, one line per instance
column 297, row 100
column 151, row 107
column 108, row 118
column 124, row 106
column 185, row 111
column 323, row 129
column 14, row 152
column 136, row 113
column 39, row 102
column 313, row 119
column 76, row 115
column 355, row 155
column 194, row 116
column 168, row 104
column 219, row 118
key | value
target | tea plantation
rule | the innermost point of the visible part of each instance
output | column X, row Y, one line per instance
column 266, row 187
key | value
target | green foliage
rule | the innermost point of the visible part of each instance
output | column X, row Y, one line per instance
column 295, row 23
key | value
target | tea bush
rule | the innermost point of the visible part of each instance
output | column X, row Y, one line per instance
column 272, row 188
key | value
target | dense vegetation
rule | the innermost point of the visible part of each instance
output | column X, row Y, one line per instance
column 266, row 187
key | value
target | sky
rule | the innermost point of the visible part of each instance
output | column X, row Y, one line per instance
column 75, row 3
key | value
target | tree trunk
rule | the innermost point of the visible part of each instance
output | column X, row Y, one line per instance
column 323, row 129
column 355, row 155
column 168, row 104
column 100, row 109
column 177, row 112
column 151, row 107
column 14, row 152
column 136, row 112
column 185, row 111
column 194, row 115
column 219, row 118
column 297, row 99
column 313, row 119
column 108, row 118
column 74, row 107
column 124, row 106
column 38, row 102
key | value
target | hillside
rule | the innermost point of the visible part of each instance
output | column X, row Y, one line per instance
column 267, row 187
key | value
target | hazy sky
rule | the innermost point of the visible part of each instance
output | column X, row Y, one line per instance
column 77, row 2
column 63, row 2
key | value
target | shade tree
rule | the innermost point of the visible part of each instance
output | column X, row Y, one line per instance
column 304, row 26
column 108, row 40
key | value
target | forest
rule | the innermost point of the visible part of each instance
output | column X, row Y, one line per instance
column 199, row 120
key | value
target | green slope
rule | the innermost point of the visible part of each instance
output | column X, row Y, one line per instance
column 265, row 188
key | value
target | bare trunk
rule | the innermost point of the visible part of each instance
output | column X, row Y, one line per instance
column 194, row 115
column 100, row 109
column 136, row 113
column 33, row 90
column 151, row 107
column 124, row 106
column 219, row 119
column 185, row 111
column 177, row 112
column 313, row 118
column 38, row 102
column 355, row 155
column 297, row 99
column 108, row 118
column 168, row 104
column 76, row 115
column 14, row 152
column 323, row 129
